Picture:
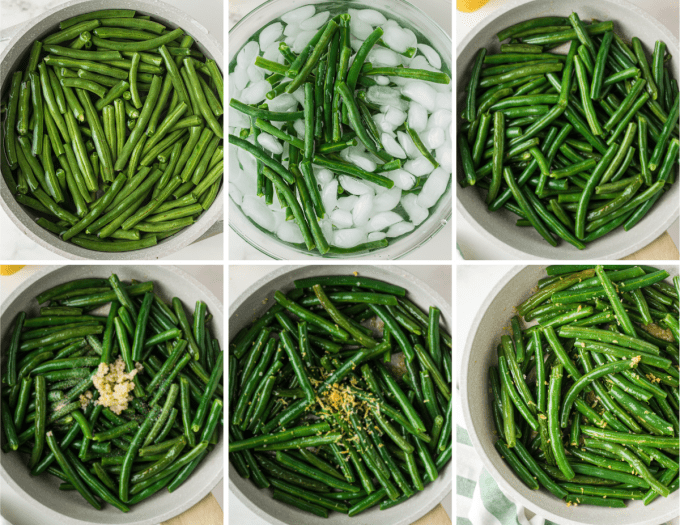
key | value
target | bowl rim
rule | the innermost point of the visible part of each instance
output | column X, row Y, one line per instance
column 435, row 498
column 196, row 496
column 25, row 223
column 629, row 244
column 507, row 488
column 435, row 224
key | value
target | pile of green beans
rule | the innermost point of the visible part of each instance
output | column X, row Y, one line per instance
column 576, row 145
column 324, row 413
column 112, row 133
column 337, row 115
column 585, row 402
column 120, row 457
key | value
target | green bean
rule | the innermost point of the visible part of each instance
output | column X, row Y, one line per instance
column 404, row 72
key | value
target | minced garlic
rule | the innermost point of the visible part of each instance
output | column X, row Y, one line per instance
column 85, row 399
column 114, row 385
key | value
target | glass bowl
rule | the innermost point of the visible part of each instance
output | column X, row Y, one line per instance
column 406, row 15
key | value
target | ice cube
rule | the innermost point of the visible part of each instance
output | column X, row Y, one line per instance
column 441, row 118
column 382, row 95
column 326, row 229
column 360, row 29
column 297, row 16
column 299, row 126
column 299, row 95
column 377, row 188
column 444, row 156
column 406, row 143
column 363, row 162
column 269, row 143
column 392, row 147
column 434, row 187
column 235, row 193
column 432, row 138
column 279, row 214
column 417, row 117
column 398, row 103
column 382, row 124
column 238, row 119
column 354, row 186
column 420, row 62
column 255, row 92
column 444, row 101
column 421, row 93
column 370, row 16
column 289, row 231
column 387, row 200
column 245, row 159
column 383, row 220
column 270, row 34
column 247, row 55
column 347, row 203
column 416, row 213
column 323, row 176
column 246, row 182
column 419, row 167
column 355, row 43
column 301, row 41
column 363, row 209
column 257, row 210
column 329, row 196
column 315, row 22
column 410, row 38
column 341, row 219
column 382, row 80
column 284, row 102
column 395, row 116
column 292, row 30
column 432, row 56
column 255, row 74
column 395, row 38
column 376, row 236
column 381, row 56
column 400, row 229
column 402, row 179
column 239, row 77
column 272, row 52
column 349, row 238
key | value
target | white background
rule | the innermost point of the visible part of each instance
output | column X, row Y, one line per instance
column 241, row 277
column 666, row 11
column 14, row 507
column 438, row 249
column 17, row 246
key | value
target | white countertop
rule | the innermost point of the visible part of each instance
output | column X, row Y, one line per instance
column 439, row 249
column 15, row 509
column 241, row 277
column 467, row 239
column 16, row 246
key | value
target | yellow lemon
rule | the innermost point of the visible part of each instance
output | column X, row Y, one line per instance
column 469, row 6
column 9, row 269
